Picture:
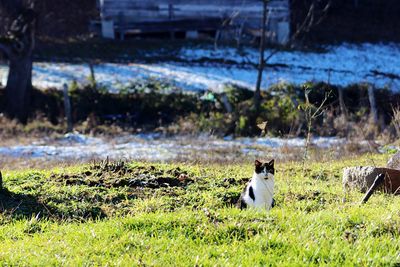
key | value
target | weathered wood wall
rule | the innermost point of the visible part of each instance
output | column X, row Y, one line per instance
column 240, row 12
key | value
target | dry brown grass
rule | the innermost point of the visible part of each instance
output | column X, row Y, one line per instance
column 26, row 163
column 396, row 120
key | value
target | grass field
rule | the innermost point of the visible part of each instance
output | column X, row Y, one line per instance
column 132, row 214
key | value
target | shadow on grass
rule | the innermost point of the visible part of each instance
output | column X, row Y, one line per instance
column 21, row 206
column 24, row 206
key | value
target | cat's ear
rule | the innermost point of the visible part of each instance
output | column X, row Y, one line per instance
column 257, row 163
column 271, row 163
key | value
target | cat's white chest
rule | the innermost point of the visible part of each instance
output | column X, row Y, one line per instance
column 263, row 190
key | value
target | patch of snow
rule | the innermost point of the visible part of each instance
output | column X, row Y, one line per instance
column 274, row 142
column 80, row 139
column 341, row 65
column 156, row 148
column 206, row 68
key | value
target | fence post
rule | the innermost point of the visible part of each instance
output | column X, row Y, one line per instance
column 342, row 105
column 374, row 111
column 67, row 108
column 226, row 103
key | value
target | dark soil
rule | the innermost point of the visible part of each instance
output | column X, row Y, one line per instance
column 118, row 174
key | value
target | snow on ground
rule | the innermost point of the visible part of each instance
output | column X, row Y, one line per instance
column 156, row 148
column 204, row 68
column 340, row 65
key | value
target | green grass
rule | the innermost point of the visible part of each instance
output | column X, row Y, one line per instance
column 182, row 215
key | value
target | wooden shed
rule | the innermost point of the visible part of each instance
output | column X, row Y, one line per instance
column 121, row 17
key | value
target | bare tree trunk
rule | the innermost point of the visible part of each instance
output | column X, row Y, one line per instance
column 19, row 87
column 18, row 46
column 261, row 64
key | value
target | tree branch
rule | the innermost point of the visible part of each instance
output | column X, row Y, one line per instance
column 307, row 24
column 309, row 20
column 319, row 111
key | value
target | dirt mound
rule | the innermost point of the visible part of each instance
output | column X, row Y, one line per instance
column 119, row 174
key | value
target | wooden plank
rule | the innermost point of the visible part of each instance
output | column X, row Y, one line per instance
column 198, row 2
column 151, row 4
column 250, row 11
column 141, row 3
column 181, row 25
column 185, row 12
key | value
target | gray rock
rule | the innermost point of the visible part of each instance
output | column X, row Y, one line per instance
column 361, row 178
column 394, row 162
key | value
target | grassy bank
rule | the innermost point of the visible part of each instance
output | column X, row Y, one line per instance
column 159, row 214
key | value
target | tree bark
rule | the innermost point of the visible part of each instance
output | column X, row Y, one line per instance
column 18, row 46
column 261, row 64
column 19, row 87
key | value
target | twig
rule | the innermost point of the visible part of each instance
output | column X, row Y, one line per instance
column 92, row 77
column 308, row 22
column 397, row 191
column 310, row 117
column 47, row 209
column 275, row 51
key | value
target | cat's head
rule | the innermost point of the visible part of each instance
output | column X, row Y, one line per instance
column 265, row 170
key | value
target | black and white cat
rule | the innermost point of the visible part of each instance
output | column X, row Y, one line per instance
column 259, row 192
